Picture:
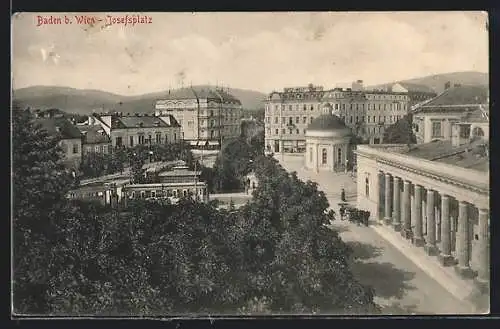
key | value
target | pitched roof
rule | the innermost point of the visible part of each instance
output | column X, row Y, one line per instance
column 460, row 95
column 59, row 126
column 470, row 155
column 327, row 122
column 94, row 134
column 124, row 122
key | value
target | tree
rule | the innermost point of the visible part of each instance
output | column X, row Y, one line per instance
column 400, row 132
column 40, row 185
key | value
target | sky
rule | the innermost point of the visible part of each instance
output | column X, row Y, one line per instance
column 258, row 51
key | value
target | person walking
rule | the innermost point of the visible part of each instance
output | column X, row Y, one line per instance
column 342, row 195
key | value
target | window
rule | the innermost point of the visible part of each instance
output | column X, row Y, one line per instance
column 298, row 131
column 89, row 149
column 175, row 136
column 312, row 118
column 477, row 132
column 97, row 148
column 324, row 156
column 351, row 106
column 158, row 138
column 357, row 119
column 75, row 148
column 304, row 120
column 131, row 141
column 374, row 119
column 464, row 131
column 283, row 120
column 276, row 119
column 343, row 106
column 268, row 131
column 290, row 131
column 277, row 131
column 166, row 139
column 436, row 129
column 367, row 187
column 289, row 107
column 379, row 118
column 368, row 119
column 339, row 155
column 283, row 131
column 290, row 121
column 336, row 106
column 350, row 119
column 141, row 139
column 297, row 119
column 312, row 107
column 118, row 141
column 310, row 154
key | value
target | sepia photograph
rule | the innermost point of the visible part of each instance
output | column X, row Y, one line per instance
column 250, row 164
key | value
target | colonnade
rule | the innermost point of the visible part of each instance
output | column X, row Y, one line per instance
column 440, row 223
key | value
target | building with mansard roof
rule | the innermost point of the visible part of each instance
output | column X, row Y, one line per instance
column 367, row 113
column 132, row 130
column 207, row 116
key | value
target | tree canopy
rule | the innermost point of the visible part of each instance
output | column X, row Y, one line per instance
column 234, row 162
column 400, row 132
column 275, row 254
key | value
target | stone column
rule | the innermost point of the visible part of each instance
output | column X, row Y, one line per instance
column 484, row 248
column 406, row 232
column 463, row 267
column 445, row 257
column 396, row 213
column 388, row 200
column 430, row 246
column 418, row 239
column 316, row 158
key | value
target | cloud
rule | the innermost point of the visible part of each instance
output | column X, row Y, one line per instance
column 261, row 51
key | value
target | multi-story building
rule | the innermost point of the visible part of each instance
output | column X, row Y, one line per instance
column 417, row 93
column 70, row 138
column 94, row 140
column 434, row 119
column 129, row 131
column 367, row 113
column 206, row 116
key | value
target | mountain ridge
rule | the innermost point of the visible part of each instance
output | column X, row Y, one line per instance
column 437, row 81
column 83, row 101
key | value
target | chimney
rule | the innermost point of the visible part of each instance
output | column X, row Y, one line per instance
column 447, row 85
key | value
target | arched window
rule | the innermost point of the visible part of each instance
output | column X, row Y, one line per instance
column 339, row 155
column 477, row 132
column 323, row 156
column 367, row 186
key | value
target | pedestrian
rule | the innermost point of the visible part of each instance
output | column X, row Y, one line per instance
column 342, row 195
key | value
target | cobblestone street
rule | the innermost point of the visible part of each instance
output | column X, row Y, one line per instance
column 401, row 287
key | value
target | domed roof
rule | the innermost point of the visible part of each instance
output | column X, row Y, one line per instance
column 327, row 122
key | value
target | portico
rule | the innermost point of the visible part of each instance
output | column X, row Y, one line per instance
column 440, row 207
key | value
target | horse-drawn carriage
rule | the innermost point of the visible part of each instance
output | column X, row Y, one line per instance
column 354, row 215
